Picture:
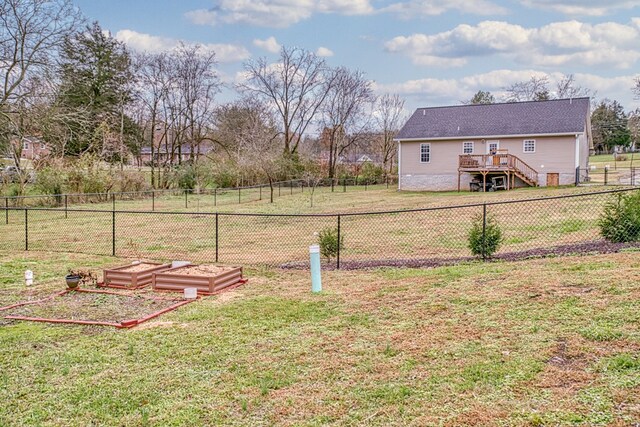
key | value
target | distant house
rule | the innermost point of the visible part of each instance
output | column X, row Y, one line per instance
column 537, row 143
column 33, row 148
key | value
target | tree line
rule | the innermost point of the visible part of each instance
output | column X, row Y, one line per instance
column 83, row 93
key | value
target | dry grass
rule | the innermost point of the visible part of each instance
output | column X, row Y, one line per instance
column 278, row 240
column 542, row 342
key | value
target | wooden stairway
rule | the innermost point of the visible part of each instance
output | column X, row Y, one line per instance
column 507, row 163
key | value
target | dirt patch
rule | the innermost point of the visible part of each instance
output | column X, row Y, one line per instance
column 200, row 270
column 98, row 307
column 151, row 325
column 135, row 268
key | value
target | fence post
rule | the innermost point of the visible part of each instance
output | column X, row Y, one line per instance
column 278, row 189
column 484, row 231
column 66, row 206
column 291, row 187
column 238, row 195
column 260, row 187
column 344, row 185
column 215, row 196
column 332, row 183
column 577, row 176
column 606, row 175
column 113, row 201
column 26, row 229
column 217, row 229
column 113, row 232
column 338, row 252
column 6, row 210
column 153, row 201
column 186, row 199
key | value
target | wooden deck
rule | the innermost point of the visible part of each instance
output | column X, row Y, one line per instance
column 502, row 164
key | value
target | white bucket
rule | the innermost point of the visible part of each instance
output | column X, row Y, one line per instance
column 190, row 293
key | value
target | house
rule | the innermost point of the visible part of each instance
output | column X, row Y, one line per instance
column 33, row 148
column 536, row 143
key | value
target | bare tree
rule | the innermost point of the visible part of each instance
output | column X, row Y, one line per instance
column 295, row 88
column 31, row 32
column 534, row 89
column 344, row 115
column 636, row 88
column 155, row 81
column 197, row 84
column 566, row 87
column 256, row 142
column 389, row 116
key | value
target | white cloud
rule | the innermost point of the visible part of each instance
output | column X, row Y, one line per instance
column 155, row 44
column 274, row 13
column 324, row 52
column 582, row 7
column 270, row 44
column 412, row 8
column 430, row 92
column 283, row 13
column 555, row 44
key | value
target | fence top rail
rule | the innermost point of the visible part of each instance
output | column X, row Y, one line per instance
column 175, row 190
column 157, row 190
column 331, row 214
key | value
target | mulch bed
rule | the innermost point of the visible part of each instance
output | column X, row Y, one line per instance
column 592, row 247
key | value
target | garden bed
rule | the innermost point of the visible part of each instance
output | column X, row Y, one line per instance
column 132, row 276
column 93, row 307
column 207, row 279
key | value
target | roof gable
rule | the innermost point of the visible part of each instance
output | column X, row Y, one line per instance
column 514, row 118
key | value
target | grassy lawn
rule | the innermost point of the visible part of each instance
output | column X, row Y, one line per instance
column 542, row 342
column 278, row 240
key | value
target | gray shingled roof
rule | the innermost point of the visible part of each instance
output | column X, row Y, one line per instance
column 514, row 118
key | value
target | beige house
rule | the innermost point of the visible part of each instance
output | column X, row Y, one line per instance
column 488, row 146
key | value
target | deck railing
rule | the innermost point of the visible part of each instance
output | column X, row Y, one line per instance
column 497, row 162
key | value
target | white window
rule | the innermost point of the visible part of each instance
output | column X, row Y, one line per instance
column 529, row 146
column 43, row 146
column 25, row 145
column 467, row 147
column 425, row 153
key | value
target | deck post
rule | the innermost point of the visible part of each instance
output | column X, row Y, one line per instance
column 458, row 180
column 484, row 182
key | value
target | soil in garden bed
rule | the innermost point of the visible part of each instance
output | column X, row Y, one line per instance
column 94, row 307
column 200, row 270
column 134, row 268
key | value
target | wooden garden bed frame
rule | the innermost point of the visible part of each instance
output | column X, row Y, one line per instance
column 172, row 280
column 125, row 324
column 119, row 279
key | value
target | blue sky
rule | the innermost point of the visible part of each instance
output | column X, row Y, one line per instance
column 431, row 52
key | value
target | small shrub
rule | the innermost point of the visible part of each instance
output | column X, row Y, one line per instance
column 620, row 219
column 487, row 243
column 328, row 241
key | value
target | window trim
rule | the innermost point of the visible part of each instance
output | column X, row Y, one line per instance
column 472, row 146
column 524, row 146
column 428, row 152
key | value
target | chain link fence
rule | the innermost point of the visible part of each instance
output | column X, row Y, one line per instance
column 419, row 237
column 196, row 200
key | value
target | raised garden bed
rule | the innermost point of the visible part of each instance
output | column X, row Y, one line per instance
column 132, row 276
column 207, row 279
column 93, row 307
